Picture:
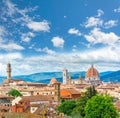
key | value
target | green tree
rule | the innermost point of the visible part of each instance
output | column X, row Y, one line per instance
column 90, row 92
column 67, row 107
column 81, row 103
column 62, row 100
column 14, row 93
column 100, row 107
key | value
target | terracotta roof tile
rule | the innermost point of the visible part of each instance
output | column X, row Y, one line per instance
column 38, row 98
column 72, row 91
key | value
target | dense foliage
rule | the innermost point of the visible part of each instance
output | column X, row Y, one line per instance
column 90, row 92
column 90, row 105
column 81, row 103
column 67, row 107
column 100, row 107
column 14, row 93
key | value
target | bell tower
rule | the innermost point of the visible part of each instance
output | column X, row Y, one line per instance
column 57, row 91
column 65, row 76
column 8, row 70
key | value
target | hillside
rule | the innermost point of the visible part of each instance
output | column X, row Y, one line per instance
column 112, row 77
column 45, row 77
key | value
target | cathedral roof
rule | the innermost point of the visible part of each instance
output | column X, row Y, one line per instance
column 92, row 72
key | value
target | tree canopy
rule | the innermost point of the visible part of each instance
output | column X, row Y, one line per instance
column 90, row 105
column 81, row 103
column 90, row 92
column 67, row 107
column 14, row 93
column 100, row 107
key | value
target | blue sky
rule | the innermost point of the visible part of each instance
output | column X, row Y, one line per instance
column 50, row 35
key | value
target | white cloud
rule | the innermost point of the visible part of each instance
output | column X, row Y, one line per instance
column 9, row 11
column 23, row 18
column 74, row 46
column 13, row 58
column 74, row 50
column 2, row 31
column 26, row 37
column 98, row 22
column 32, row 46
column 10, row 56
column 93, row 22
column 65, row 16
column 117, row 10
column 38, row 49
column 4, row 45
column 11, row 46
column 88, row 45
column 73, row 60
column 39, row 26
column 110, row 23
column 46, row 50
column 11, row 8
column 74, row 31
column 100, row 12
column 105, row 59
column 58, row 41
column 97, row 36
column 101, row 55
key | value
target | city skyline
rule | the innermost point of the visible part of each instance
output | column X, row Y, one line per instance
column 48, row 36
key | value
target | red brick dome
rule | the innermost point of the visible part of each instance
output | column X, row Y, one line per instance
column 92, row 72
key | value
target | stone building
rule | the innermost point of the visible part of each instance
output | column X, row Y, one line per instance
column 65, row 76
column 8, row 70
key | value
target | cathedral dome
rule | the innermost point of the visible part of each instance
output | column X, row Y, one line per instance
column 53, row 80
column 92, row 72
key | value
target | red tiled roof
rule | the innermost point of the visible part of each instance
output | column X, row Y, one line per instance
column 92, row 72
column 72, row 91
column 38, row 98
column 117, row 104
column 6, row 96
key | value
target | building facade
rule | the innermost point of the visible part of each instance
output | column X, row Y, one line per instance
column 65, row 76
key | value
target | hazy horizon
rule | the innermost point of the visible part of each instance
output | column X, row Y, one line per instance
column 14, row 75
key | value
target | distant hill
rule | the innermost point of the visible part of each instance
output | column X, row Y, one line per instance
column 112, row 77
column 40, row 77
column 105, row 73
column 45, row 77
column 1, row 79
